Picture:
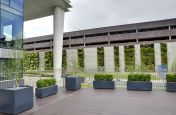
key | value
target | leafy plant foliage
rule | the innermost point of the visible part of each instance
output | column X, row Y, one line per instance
column 45, row 83
column 139, row 77
column 104, row 77
column 81, row 58
column 164, row 54
column 100, row 56
column 49, row 60
column 116, row 57
column 171, row 77
column 147, row 57
column 31, row 61
column 129, row 58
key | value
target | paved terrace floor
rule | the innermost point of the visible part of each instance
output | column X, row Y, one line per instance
column 106, row 102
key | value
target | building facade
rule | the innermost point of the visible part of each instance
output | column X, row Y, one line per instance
column 154, row 32
column 12, row 15
column 11, row 34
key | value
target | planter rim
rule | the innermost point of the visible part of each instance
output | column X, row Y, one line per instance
column 16, row 88
column 101, row 80
column 141, row 81
column 46, row 87
column 72, row 76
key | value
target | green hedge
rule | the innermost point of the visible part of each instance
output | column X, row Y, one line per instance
column 49, row 60
column 105, row 77
column 147, row 57
column 116, row 57
column 164, row 53
column 139, row 77
column 46, row 75
column 100, row 56
column 45, row 83
column 31, row 61
column 171, row 77
column 64, row 61
column 81, row 58
column 129, row 58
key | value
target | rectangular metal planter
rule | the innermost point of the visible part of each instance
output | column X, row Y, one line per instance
column 139, row 85
column 16, row 100
column 10, row 83
column 104, row 84
column 45, row 92
column 73, row 83
column 171, row 86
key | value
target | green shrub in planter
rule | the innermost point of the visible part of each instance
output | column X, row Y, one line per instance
column 139, row 77
column 171, row 77
column 103, row 77
column 103, row 81
column 47, row 75
column 141, row 82
column 45, row 83
column 171, row 82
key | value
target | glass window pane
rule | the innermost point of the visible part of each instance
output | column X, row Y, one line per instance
column 17, row 4
column 7, row 31
column 12, row 29
column 6, row 2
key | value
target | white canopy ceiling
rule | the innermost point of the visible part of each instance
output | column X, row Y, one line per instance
column 34, row 9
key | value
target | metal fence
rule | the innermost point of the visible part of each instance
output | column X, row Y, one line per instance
column 158, row 79
column 30, row 78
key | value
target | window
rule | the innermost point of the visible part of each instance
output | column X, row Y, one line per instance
column 173, row 27
column 7, row 32
column 17, row 4
column 12, row 29
column 123, row 32
column 6, row 2
column 154, row 29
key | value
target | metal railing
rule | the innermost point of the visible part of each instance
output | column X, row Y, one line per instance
column 157, row 78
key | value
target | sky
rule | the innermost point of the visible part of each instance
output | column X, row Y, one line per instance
column 87, row 14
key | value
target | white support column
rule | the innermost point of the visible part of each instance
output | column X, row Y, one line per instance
column 41, row 61
column 72, row 59
column 109, row 59
column 58, row 20
column 137, row 56
column 121, row 59
column 171, row 54
column 157, row 49
column 90, row 59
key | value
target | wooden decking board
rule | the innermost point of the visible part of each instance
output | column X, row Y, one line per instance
column 106, row 102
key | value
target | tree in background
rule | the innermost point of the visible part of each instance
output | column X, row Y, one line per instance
column 147, row 57
column 129, row 58
column 116, row 57
column 100, row 58
column 81, row 58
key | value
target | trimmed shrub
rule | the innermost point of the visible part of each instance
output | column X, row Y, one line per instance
column 103, row 77
column 139, row 77
column 171, row 77
column 46, row 75
column 45, row 83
